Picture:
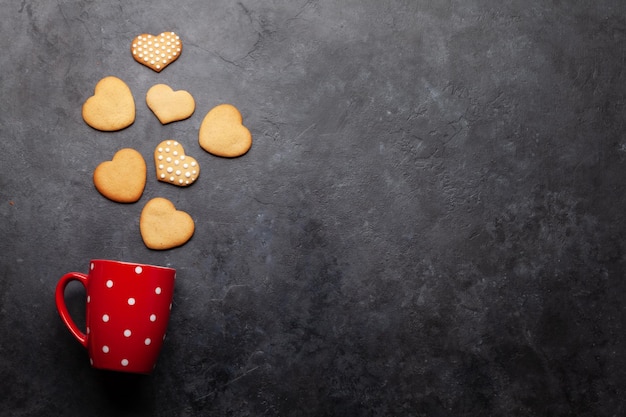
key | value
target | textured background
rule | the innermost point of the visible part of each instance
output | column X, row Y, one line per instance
column 430, row 221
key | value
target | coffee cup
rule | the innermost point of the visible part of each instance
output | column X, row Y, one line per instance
column 127, row 311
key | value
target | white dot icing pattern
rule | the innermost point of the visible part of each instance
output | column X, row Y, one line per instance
column 156, row 52
column 172, row 169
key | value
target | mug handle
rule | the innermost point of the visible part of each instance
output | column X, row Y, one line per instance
column 62, row 308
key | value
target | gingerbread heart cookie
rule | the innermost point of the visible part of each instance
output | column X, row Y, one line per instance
column 156, row 51
column 164, row 227
column 169, row 105
column 123, row 178
column 222, row 132
column 112, row 107
column 173, row 166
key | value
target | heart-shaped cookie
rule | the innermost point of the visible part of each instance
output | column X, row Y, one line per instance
column 156, row 51
column 164, row 227
column 112, row 106
column 123, row 178
column 173, row 166
column 169, row 105
column 222, row 132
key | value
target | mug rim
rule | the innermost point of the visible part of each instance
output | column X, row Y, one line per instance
column 113, row 261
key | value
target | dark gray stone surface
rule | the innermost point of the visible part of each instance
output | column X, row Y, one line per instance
column 430, row 221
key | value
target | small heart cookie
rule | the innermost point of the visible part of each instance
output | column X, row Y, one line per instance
column 173, row 166
column 164, row 227
column 123, row 178
column 169, row 105
column 222, row 132
column 156, row 52
column 112, row 106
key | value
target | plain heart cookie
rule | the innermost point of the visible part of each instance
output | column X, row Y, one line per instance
column 169, row 105
column 123, row 178
column 222, row 132
column 112, row 107
column 156, row 51
column 163, row 227
column 173, row 166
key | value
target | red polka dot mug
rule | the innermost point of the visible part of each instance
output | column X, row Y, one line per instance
column 127, row 310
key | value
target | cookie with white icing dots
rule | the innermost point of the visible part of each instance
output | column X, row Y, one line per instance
column 156, row 51
column 173, row 166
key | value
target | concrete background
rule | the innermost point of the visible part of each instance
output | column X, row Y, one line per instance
column 430, row 221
